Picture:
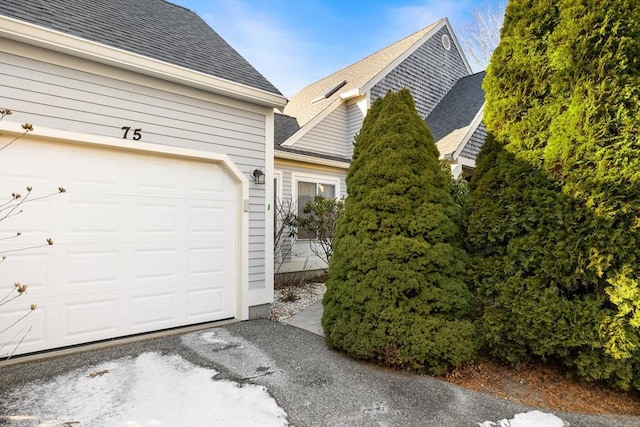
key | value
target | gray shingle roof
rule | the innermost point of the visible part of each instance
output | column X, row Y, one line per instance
column 153, row 28
column 284, row 127
column 311, row 154
column 450, row 120
column 356, row 75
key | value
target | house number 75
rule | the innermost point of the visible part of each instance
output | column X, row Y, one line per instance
column 136, row 133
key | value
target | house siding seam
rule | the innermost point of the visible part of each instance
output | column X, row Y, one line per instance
column 327, row 136
column 429, row 73
column 475, row 143
column 59, row 97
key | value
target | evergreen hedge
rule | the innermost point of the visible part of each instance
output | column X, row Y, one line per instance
column 554, row 208
column 396, row 291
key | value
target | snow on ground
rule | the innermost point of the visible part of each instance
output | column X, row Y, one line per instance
column 150, row 390
column 528, row 419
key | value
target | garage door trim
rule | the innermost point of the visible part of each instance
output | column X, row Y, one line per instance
column 11, row 129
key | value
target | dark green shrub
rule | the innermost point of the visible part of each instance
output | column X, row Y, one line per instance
column 396, row 290
column 554, row 209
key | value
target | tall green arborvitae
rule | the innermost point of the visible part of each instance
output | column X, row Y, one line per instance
column 553, row 214
column 396, row 290
column 594, row 152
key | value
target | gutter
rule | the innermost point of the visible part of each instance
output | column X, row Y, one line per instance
column 76, row 46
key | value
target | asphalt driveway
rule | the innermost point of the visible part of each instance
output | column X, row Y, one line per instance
column 313, row 385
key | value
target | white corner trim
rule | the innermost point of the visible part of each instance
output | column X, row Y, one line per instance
column 471, row 129
column 466, row 162
column 268, row 209
column 76, row 46
column 455, row 41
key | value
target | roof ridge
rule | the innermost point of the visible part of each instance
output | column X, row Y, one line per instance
column 307, row 102
column 397, row 42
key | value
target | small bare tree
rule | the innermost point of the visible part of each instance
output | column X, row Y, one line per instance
column 319, row 220
column 285, row 232
column 10, row 208
column 482, row 35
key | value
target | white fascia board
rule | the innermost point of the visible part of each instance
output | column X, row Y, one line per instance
column 460, row 51
column 472, row 128
column 466, row 162
column 381, row 75
column 76, row 46
column 313, row 122
column 350, row 94
column 310, row 159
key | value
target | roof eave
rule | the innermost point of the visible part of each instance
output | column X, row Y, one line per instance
column 76, row 46
column 472, row 128
column 310, row 159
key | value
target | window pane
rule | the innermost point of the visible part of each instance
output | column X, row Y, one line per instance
column 327, row 190
column 306, row 192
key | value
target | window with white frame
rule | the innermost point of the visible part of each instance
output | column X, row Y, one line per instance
column 309, row 188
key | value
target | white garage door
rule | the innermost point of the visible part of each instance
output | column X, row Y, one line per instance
column 141, row 242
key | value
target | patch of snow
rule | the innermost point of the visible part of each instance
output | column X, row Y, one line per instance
column 528, row 419
column 150, row 390
column 210, row 337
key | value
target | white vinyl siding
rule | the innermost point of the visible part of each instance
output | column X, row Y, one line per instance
column 328, row 136
column 355, row 117
column 57, row 91
column 300, row 256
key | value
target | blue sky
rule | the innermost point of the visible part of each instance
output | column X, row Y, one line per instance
column 296, row 42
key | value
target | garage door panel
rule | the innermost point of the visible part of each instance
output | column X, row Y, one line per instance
column 211, row 185
column 14, row 159
column 203, row 303
column 155, row 311
column 90, row 320
column 89, row 218
column 88, row 166
column 29, row 267
column 220, row 220
column 156, row 219
column 156, row 178
column 33, row 228
column 91, row 268
column 30, row 327
column 142, row 242
column 154, row 264
column 207, row 261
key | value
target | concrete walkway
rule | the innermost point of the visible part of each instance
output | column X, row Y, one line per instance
column 308, row 319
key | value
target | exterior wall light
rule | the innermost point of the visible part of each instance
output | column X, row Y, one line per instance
column 258, row 176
